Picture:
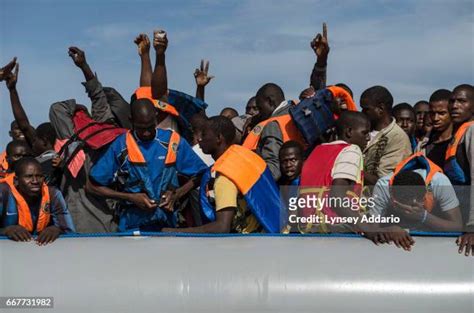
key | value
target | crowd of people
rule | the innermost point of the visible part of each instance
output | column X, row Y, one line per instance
column 159, row 163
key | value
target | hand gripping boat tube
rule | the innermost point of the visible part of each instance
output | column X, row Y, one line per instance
column 239, row 274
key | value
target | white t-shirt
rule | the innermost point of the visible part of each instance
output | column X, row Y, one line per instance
column 206, row 158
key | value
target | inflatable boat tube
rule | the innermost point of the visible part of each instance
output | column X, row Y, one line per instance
column 239, row 274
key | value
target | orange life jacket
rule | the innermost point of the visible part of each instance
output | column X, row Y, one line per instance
column 3, row 161
column 287, row 127
column 452, row 168
column 420, row 161
column 145, row 93
column 338, row 92
column 24, row 213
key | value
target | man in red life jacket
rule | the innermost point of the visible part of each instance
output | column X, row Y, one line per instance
column 459, row 162
column 338, row 163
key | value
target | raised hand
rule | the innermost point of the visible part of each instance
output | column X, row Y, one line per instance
column 201, row 74
column 78, row 56
column 160, row 41
column 12, row 77
column 143, row 44
column 6, row 70
column 320, row 43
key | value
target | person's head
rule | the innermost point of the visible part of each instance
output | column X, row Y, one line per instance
column 346, row 88
column 45, row 138
column 461, row 104
column 405, row 117
column 16, row 150
column 291, row 160
column 439, row 110
column 251, row 107
column 421, row 111
column 230, row 113
column 198, row 122
column 29, row 177
column 15, row 132
column 408, row 187
column 353, row 127
column 217, row 135
column 376, row 102
column 268, row 98
column 143, row 119
column 427, row 125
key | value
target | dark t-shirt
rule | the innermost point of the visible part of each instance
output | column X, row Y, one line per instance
column 436, row 152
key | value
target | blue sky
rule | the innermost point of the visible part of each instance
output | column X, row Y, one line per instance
column 411, row 47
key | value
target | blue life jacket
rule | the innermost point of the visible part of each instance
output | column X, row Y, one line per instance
column 452, row 168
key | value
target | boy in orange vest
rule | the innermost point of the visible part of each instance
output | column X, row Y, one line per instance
column 28, row 206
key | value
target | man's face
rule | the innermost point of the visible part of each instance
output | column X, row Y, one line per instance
column 461, row 107
column 17, row 154
column 421, row 110
column 16, row 133
column 290, row 163
column 265, row 107
column 145, row 127
column 251, row 108
column 370, row 110
column 360, row 135
column 31, row 179
column 439, row 115
column 406, row 120
column 208, row 141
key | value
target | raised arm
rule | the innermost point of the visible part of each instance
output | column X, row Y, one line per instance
column 320, row 47
column 202, row 79
column 18, row 111
column 143, row 45
column 100, row 108
column 159, row 80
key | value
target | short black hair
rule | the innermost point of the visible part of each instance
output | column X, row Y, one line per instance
column 441, row 95
column 350, row 119
column 14, row 125
column 142, row 106
column 14, row 144
column 230, row 110
column 403, row 106
column 22, row 163
column 468, row 88
column 377, row 95
column 292, row 144
column 46, row 132
column 412, row 186
column 421, row 102
column 346, row 88
column 272, row 91
column 221, row 125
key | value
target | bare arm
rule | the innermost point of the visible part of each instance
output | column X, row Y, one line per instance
column 159, row 80
column 18, row 111
column 202, row 79
column 320, row 47
column 221, row 225
column 143, row 44
column 141, row 200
